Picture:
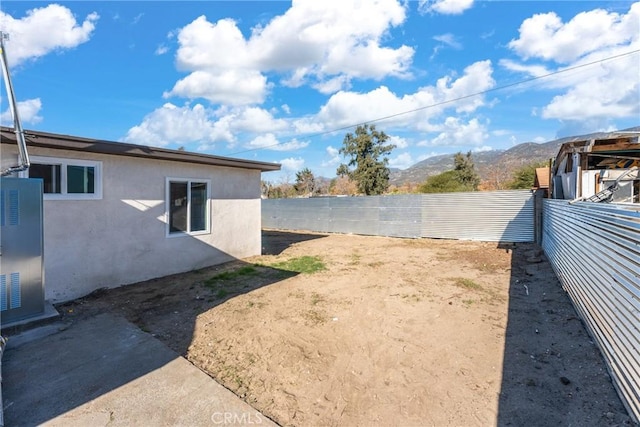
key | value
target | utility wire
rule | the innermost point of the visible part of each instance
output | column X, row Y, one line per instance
column 449, row 101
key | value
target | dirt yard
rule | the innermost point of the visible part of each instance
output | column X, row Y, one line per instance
column 352, row 330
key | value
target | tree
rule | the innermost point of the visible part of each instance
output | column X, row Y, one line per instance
column 343, row 185
column 446, row 182
column 265, row 188
column 466, row 172
column 368, row 153
column 277, row 191
column 305, row 182
column 462, row 178
column 497, row 177
column 525, row 176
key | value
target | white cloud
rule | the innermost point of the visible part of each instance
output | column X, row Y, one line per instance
column 292, row 164
column 545, row 36
column 448, row 39
column 350, row 108
column 571, row 106
column 257, row 120
column 270, row 142
column 27, row 110
column 44, row 30
column 476, row 78
column 170, row 124
column 137, row 18
column 161, row 49
column 231, row 87
column 535, row 70
column 500, row 132
column 613, row 91
column 401, row 161
column 488, row 34
column 212, row 46
column 454, row 132
column 333, row 85
column 482, row 149
column 324, row 44
column 307, row 125
column 334, row 157
column 599, row 93
column 399, row 142
column 445, row 7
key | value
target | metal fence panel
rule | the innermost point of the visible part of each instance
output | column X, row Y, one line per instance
column 595, row 251
column 296, row 214
column 488, row 216
column 357, row 215
column 497, row 216
column 401, row 216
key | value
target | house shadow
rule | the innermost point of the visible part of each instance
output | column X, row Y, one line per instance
column 108, row 341
column 275, row 242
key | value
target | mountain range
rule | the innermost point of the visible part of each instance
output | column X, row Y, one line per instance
column 494, row 166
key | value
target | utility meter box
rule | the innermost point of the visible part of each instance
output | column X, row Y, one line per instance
column 21, row 239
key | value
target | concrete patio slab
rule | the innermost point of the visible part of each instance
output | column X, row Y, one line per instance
column 106, row 371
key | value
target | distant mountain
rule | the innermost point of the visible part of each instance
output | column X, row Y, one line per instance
column 435, row 165
column 491, row 165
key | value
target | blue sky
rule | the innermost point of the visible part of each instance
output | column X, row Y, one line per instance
column 282, row 81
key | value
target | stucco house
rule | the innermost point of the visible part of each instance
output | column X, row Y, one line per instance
column 117, row 213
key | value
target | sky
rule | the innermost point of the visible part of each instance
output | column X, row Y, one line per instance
column 285, row 81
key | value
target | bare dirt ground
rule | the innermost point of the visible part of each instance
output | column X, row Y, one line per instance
column 391, row 332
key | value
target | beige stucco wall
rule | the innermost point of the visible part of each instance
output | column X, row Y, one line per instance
column 122, row 239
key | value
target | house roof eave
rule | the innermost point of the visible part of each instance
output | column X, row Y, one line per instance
column 73, row 143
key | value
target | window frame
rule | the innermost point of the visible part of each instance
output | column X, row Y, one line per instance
column 207, row 220
column 63, row 163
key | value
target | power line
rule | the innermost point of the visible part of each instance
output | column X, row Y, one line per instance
column 437, row 104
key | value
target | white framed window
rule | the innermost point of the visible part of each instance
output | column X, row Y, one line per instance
column 188, row 211
column 67, row 179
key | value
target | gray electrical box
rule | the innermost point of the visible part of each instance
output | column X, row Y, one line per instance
column 21, row 239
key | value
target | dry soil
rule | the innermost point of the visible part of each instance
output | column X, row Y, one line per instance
column 391, row 332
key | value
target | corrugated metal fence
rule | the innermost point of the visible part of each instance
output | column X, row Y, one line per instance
column 499, row 216
column 595, row 252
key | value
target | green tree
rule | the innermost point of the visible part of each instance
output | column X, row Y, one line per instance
column 463, row 177
column 305, row 182
column 466, row 172
column 367, row 153
column 446, row 182
column 525, row 176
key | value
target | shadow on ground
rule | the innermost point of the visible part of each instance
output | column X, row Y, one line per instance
column 544, row 330
column 275, row 242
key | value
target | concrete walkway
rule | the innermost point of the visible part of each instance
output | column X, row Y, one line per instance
column 106, row 371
